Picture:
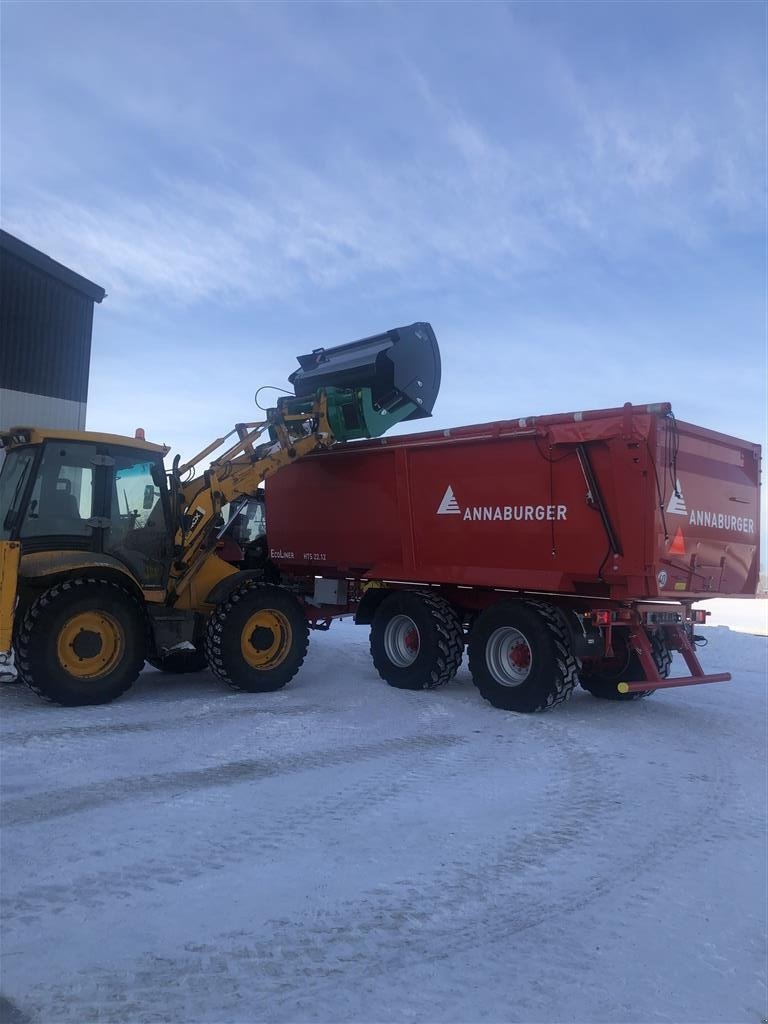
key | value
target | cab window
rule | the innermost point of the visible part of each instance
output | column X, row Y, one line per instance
column 13, row 480
column 61, row 502
column 136, row 497
column 137, row 533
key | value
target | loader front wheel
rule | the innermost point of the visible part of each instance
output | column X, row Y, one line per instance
column 520, row 657
column 417, row 642
column 81, row 642
column 257, row 638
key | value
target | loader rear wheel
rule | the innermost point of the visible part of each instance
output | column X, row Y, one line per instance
column 257, row 638
column 625, row 667
column 81, row 642
column 520, row 657
column 417, row 641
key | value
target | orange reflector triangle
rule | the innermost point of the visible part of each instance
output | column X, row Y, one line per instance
column 678, row 544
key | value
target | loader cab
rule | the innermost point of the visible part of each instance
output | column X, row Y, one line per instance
column 250, row 525
column 88, row 493
column 244, row 540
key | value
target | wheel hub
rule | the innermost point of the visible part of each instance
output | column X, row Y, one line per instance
column 520, row 656
column 87, row 644
column 266, row 639
column 90, row 645
column 402, row 641
column 262, row 638
column 509, row 656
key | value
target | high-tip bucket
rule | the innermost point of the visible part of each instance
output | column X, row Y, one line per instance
column 399, row 367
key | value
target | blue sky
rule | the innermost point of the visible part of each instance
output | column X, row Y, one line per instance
column 573, row 194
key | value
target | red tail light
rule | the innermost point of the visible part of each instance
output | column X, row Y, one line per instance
column 602, row 617
column 699, row 616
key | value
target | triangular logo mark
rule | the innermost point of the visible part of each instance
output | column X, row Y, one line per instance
column 676, row 506
column 449, row 506
column 677, row 547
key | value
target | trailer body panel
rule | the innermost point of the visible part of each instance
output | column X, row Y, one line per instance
column 708, row 522
column 624, row 503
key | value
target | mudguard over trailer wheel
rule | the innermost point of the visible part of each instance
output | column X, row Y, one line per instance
column 257, row 638
column 625, row 667
column 520, row 657
column 417, row 641
column 81, row 642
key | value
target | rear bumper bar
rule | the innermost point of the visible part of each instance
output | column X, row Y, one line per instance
column 666, row 684
column 677, row 638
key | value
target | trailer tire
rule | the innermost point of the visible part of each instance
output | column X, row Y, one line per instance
column 417, row 642
column 257, row 638
column 81, row 642
column 520, row 657
column 603, row 683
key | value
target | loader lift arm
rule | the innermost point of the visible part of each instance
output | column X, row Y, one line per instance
column 236, row 474
column 354, row 391
column 92, row 582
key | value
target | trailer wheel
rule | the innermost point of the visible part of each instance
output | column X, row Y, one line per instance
column 179, row 662
column 416, row 640
column 625, row 667
column 81, row 642
column 257, row 638
column 520, row 657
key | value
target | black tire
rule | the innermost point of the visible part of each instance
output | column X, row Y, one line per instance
column 520, row 657
column 257, row 638
column 626, row 667
column 81, row 642
column 180, row 662
column 432, row 655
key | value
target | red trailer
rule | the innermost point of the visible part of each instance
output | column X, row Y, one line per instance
column 560, row 549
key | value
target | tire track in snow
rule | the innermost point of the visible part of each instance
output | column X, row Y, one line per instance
column 318, row 941
column 384, row 783
column 428, row 938
column 420, row 920
column 43, row 807
column 10, row 1012
column 14, row 738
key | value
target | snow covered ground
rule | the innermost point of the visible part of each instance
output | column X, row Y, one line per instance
column 746, row 615
column 342, row 851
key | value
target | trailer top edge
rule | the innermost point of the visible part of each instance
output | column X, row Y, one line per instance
column 717, row 436
column 526, row 426
column 518, row 426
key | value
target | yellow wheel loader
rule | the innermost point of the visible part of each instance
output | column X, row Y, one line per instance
column 108, row 559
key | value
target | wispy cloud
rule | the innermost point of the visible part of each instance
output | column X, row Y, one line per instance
column 244, row 220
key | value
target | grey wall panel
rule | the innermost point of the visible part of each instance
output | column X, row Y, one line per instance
column 20, row 409
column 45, row 332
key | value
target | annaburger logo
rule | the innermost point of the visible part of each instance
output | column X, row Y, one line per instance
column 449, row 506
column 676, row 506
column 702, row 517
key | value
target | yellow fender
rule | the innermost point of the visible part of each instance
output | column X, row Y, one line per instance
column 10, row 554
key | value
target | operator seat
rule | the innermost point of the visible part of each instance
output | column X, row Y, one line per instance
column 56, row 513
column 62, row 505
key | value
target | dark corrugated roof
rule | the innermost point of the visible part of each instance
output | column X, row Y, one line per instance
column 56, row 270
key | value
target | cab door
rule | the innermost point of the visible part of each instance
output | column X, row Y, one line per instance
column 138, row 522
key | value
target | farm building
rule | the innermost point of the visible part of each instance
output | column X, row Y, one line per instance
column 46, row 318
